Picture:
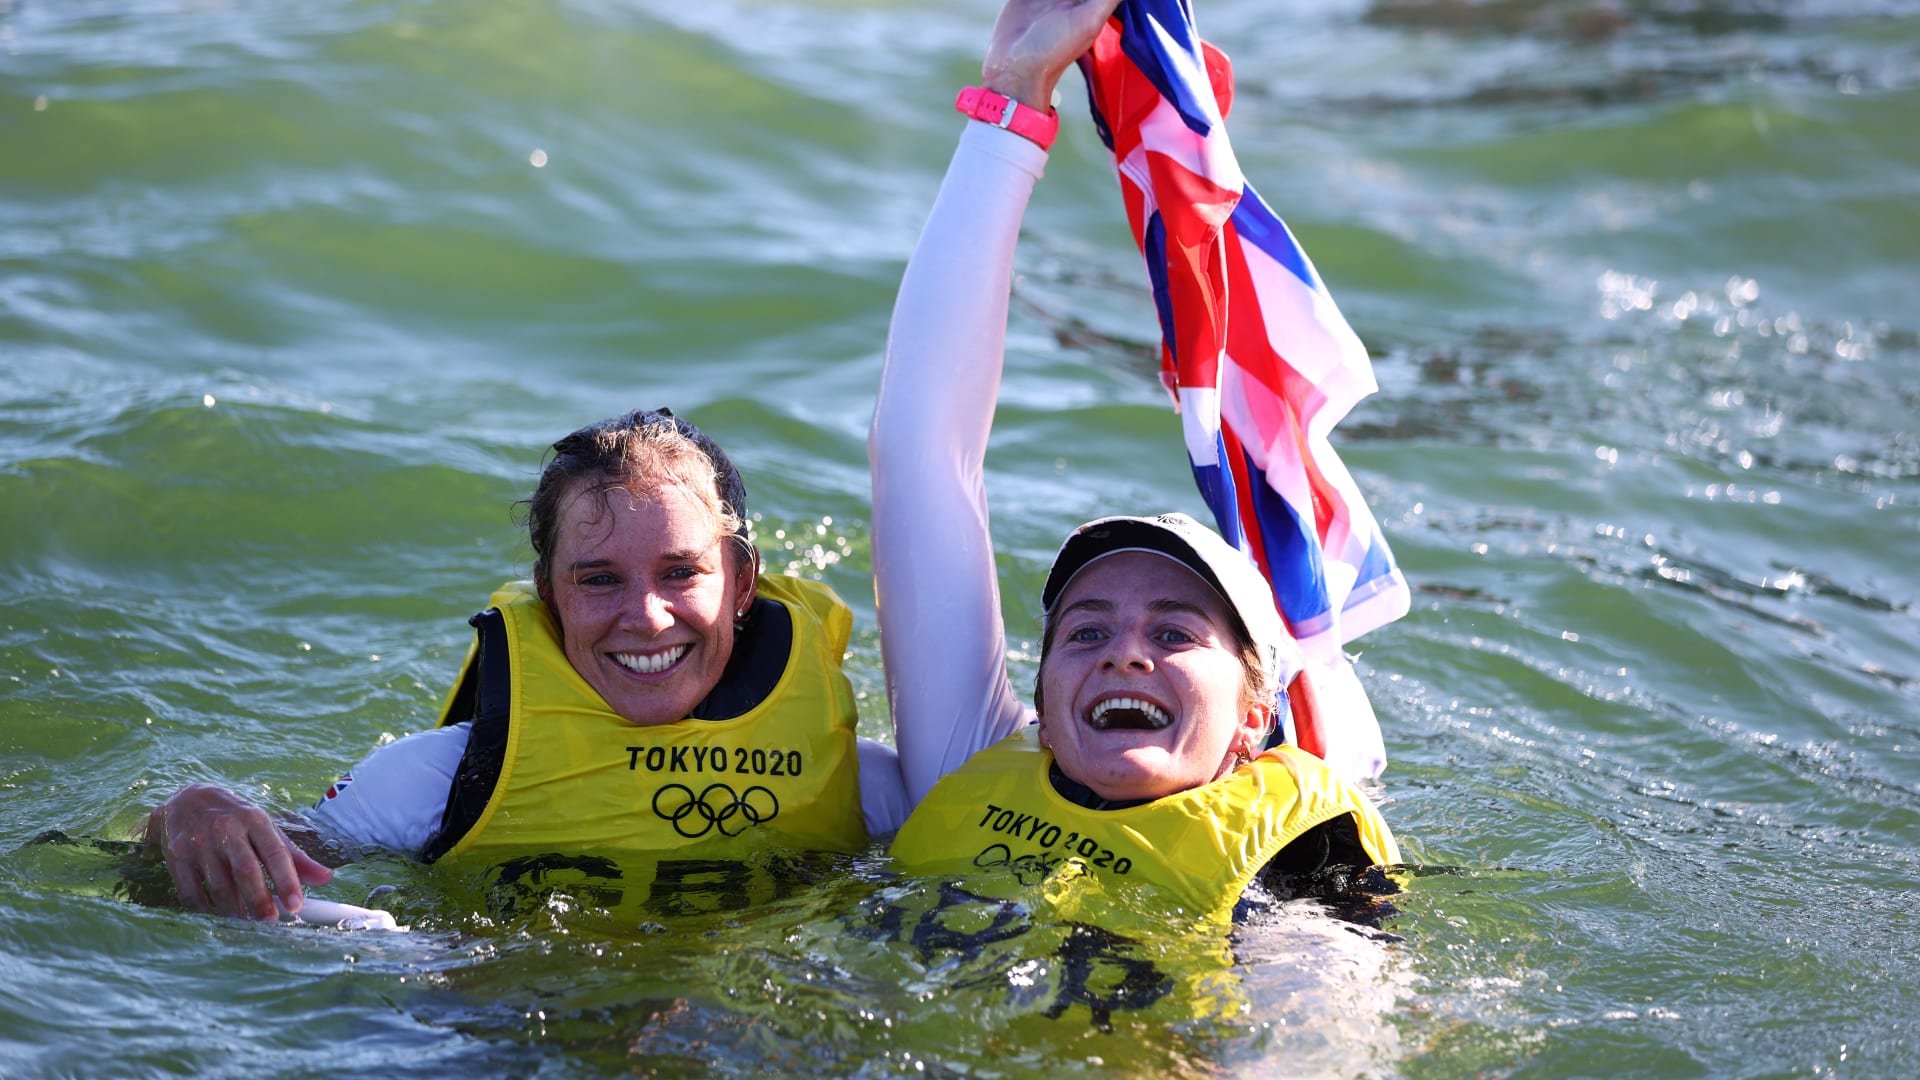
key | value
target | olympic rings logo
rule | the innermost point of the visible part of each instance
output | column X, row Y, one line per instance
column 716, row 807
column 1029, row 869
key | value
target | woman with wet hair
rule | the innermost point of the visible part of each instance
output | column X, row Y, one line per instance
column 649, row 692
column 1163, row 660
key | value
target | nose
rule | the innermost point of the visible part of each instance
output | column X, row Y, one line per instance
column 646, row 611
column 1129, row 649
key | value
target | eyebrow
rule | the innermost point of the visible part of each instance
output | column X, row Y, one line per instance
column 1182, row 607
column 666, row 556
column 1106, row 607
column 684, row 556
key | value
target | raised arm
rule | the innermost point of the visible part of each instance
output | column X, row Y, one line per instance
column 939, row 603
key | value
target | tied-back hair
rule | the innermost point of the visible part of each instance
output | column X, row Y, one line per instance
column 638, row 453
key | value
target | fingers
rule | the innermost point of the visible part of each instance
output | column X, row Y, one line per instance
column 185, row 881
column 221, row 851
column 249, row 861
column 1034, row 41
column 287, row 866
column 184, row 869
column 229, row 893
column 310, row 870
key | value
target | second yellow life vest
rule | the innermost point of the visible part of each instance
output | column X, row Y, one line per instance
column 1202, row 846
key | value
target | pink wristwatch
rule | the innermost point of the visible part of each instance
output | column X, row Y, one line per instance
column 1002, row 111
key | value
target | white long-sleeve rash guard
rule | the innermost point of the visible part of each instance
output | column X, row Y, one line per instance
column 941, row 636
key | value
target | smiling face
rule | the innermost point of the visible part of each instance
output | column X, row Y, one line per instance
column 646, row 593
column 1143, row 691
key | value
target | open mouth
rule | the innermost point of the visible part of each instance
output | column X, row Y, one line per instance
column 650, row 663
column 1128, row 713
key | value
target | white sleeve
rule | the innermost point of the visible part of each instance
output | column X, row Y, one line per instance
column 938, row 592
column 394, row 798
column 883, row 798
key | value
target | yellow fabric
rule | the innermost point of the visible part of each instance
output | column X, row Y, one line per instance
column 1202, row 846
column 1065, row 949
column 576, row 777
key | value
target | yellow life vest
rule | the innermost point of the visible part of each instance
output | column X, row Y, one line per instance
column 1024, row 951
column 577, row 778
column 1202, row 846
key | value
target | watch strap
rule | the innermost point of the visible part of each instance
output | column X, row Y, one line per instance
column 1004, row 112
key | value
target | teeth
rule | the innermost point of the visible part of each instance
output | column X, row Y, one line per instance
column 649, row 663
column 1156, row 716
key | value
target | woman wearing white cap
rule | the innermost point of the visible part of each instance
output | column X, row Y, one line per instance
column 1163, row 659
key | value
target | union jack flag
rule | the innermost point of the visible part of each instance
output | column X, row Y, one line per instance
column 1260, row 362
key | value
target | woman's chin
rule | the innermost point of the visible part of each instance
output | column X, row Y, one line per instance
column 653, row 710
column 1138, row 773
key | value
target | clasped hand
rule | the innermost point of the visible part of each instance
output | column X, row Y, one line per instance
column 1034, row 41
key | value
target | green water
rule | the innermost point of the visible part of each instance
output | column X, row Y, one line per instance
column 288, row 311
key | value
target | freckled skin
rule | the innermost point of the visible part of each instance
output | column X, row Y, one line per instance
column 644, row 578
column 1140, row 625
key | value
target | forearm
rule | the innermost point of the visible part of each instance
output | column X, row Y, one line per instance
column 940, row 628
